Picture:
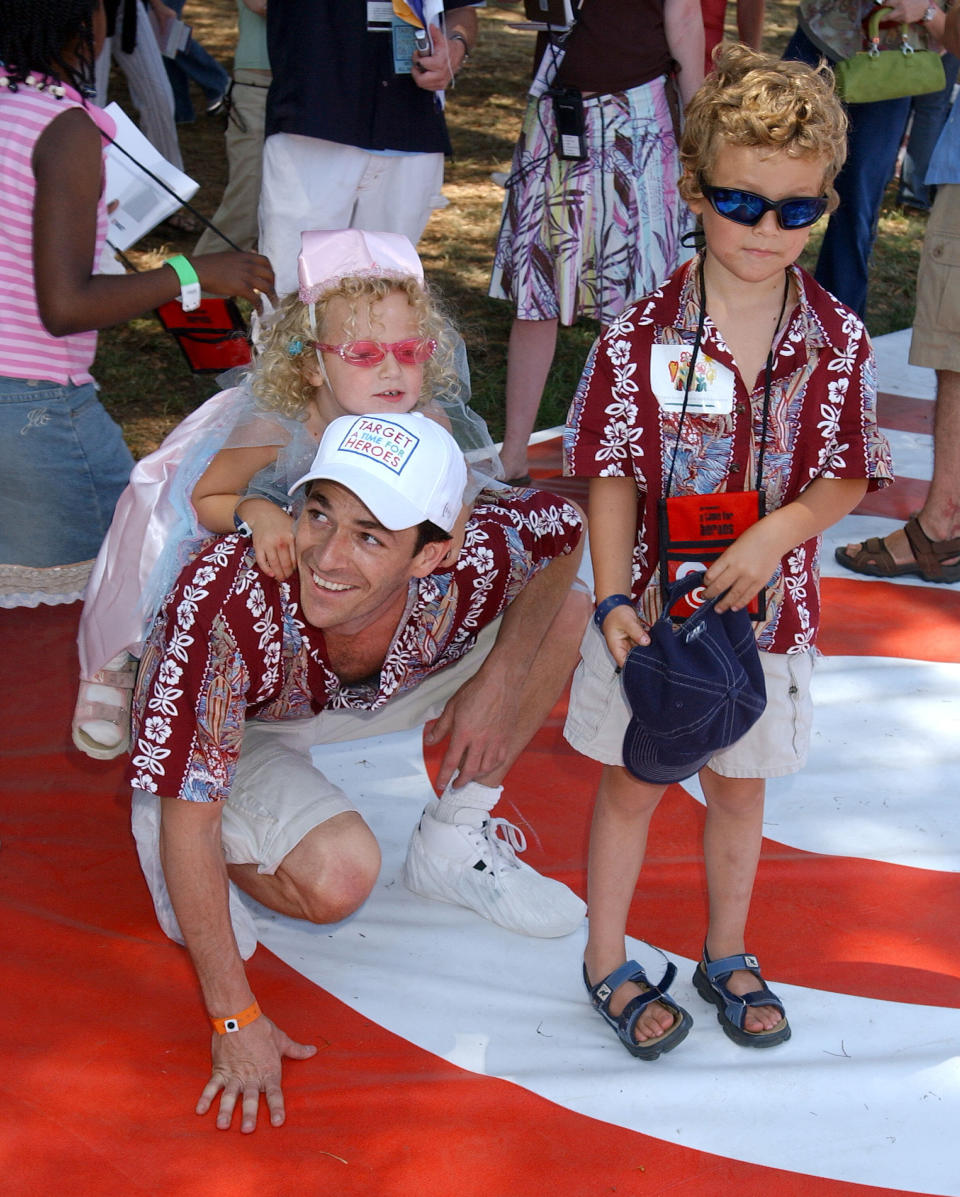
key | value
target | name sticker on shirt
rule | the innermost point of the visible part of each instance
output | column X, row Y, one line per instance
column 711, row 388
column 381, row 441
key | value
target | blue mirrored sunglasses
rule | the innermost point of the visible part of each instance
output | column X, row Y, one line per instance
column 745, row 207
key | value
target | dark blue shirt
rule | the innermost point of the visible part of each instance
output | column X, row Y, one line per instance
column 333, row 79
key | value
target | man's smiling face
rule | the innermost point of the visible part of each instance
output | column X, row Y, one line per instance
column 353, row 571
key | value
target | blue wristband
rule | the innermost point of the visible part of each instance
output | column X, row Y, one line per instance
column 608, row 604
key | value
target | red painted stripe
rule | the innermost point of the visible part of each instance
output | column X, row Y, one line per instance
column 820, row 921
column 903, row 498
column 876, row 618
column 105, row 1043
column 901, row 413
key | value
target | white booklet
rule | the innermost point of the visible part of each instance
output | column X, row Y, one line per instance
column 141, row 203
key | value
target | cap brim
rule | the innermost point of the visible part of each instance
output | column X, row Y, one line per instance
column 383, row 502
column 642, row 758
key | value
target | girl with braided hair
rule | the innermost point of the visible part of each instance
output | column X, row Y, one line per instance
column 63, row 462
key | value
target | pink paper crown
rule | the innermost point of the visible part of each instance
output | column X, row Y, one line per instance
column 327, row 256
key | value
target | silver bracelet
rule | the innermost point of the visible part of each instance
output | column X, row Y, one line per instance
column 458, row 37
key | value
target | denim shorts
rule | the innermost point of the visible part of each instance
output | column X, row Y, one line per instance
column 63, row 464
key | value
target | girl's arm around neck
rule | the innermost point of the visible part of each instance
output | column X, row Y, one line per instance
column 219, row 493
column 68, row 167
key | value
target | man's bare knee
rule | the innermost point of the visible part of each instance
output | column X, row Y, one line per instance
column 333, row 868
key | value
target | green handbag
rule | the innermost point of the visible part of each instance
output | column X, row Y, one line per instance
column 875, row 74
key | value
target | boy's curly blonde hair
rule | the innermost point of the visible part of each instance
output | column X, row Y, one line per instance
column 279, row 381
column 754, row 99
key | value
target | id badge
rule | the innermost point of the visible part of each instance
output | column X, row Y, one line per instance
column 711, row 388
column 694, row 531
column 404, row 45
column 379, row 16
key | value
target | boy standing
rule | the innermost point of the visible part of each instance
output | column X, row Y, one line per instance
column 774, row 392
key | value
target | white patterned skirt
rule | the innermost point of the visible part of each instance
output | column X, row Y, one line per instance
column 587, row 238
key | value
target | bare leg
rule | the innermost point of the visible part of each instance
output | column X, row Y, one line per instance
column 618, row 841
column 529, row 357
column 731, row 848
column 324, row 878
column 940, row 515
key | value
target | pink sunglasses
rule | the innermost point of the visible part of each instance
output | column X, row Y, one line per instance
column 412, row 352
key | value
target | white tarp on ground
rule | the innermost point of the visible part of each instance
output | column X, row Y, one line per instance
column 866, row 1091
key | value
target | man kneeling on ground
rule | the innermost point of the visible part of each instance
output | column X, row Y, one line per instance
column 242, row 675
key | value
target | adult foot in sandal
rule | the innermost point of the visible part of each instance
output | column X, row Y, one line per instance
column 905, row 552
column 647, row 1021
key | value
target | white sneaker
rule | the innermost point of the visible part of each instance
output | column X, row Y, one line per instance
column 478, row 868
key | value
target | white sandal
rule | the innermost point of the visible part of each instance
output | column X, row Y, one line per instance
column 101, row 718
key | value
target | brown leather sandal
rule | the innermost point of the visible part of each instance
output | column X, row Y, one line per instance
column 874, row 559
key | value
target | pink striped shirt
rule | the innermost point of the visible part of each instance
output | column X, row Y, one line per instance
column 27, row 350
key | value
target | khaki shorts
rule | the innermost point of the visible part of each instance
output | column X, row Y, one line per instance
column 776, row 745
column 936, row 326
column 278, row 796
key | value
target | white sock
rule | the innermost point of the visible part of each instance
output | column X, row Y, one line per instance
column 472, row 803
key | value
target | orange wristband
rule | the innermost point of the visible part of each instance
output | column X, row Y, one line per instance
column 226, row 1026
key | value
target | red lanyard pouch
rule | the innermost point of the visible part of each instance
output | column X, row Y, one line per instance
column 694, row 530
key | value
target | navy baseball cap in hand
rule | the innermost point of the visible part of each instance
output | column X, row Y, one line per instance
column 694, row 689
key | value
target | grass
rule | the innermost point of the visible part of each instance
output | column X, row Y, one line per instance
column 147, row 386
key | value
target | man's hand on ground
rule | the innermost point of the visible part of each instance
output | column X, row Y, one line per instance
column 247, row 1063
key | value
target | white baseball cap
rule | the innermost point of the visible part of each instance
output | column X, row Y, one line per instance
column 404, row 468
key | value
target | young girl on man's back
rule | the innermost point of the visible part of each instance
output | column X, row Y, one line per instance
column 363, row 336
column 739, row 374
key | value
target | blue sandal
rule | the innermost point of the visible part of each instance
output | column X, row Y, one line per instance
column 625, row 1022
column 709, row 981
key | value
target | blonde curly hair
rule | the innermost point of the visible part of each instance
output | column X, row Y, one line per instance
column 754, row 99
column 279, row 378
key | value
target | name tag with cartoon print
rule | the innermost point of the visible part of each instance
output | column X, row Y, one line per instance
column 711, row 388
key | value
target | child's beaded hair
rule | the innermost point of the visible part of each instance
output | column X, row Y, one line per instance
column 279, row 379
column 757, row 100
column 52, row 36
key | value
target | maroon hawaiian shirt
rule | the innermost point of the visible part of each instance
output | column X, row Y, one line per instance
column 230, row 643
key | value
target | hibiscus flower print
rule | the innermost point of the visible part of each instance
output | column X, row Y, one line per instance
column 256, row 601
column 157, row 729
column 169, row 673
